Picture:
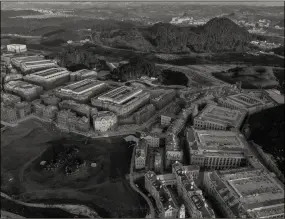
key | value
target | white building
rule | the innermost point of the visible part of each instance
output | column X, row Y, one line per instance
column 104, row 121
column 17, row 48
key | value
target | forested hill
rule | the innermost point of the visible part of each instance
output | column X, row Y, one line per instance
column 217, row 35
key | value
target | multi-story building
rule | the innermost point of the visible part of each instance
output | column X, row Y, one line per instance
column 140, row 158
column 62, row 117
column 191, row 170
column 49, row 98
column 83, row 74
column 104, row 121
column 44, row 111
column 163, row 99
column 194, row 201
column 168, row 179
column 219, row 118
column 23, row 109
column 144, row 113
column 30, row 66
column 81, row 91
column 152, row 140
column 23, row 89
column 8, row 113
column 157, row 162
column 246, row 193
column 217, row 149
column 48, row 78
column 17, row 48
column 123, row 100
column 80, row 109
column 163, row 198
column 70, row 121
column 243, row 101
column 7, row 98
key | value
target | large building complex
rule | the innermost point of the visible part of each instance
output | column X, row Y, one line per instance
column 17, row 48
column 83, row 74
column 16, row 61
column 144, row 113
column 246, row 193
column 81, row 91
column 24, row 89
column 29, row 66
column 243, row 101
column 219, row 118
column 122, row 100
column 48, row 78
column 217, row 149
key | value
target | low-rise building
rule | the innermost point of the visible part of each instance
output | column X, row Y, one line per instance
column 219, row 118
column 83, row 74
column 104, row 121
column 30, row 66
column 217, row 149
column 44, row 111
column 123, row 100
column 152, row 140
column 144, row 113
column 17, row 48
column 81, row 91
column 246, row 193
column 48, row 78
column 16, row 61
column 79, row 108
column 242, row 101
column 23, row 89
column 163, row 98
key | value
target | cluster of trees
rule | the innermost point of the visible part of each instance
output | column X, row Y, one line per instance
column 136, row 68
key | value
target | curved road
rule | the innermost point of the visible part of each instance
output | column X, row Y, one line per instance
column 152, row 210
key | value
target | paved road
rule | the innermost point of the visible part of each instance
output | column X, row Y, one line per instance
column 152, row 210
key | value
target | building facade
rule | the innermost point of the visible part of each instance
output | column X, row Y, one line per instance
column 104, row 121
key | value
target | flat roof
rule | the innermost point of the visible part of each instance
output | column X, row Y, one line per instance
column 49, row 71
column 214, row 141
column 256, row 189
column 82, row 86
column 120, row 95
column 243, row 100
column 28, row 58
column 20, row 84
column 221, row 115
column 37, row 62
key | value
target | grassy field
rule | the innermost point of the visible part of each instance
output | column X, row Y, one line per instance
column 102, row 188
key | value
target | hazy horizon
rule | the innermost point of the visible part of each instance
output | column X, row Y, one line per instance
column 197, row 2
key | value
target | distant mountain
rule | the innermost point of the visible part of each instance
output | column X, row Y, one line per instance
column 219, row 34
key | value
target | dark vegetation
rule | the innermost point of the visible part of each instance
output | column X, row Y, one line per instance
column 267, row 130
column 169, row 77
column 136, row 68
column 251, row 77
column 278, row 50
